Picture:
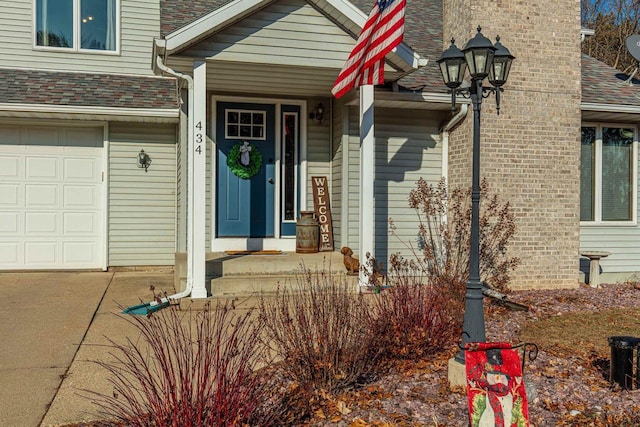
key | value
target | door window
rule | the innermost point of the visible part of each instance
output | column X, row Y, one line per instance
column 289, row 161
column 245, row 124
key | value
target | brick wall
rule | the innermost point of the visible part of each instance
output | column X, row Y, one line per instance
column 530, row 153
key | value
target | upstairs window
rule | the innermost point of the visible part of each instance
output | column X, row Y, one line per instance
column 608, row 186
column 90, row 25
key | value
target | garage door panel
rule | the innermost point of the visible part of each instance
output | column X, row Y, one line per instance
column 82, row 223
column 41, row 168
column 78, row 252
column 84, row 137
column 10, row 195
column 81, row 169
column 10, row 167
column 10, row 223
column 81, row 196
column 41, row 253
column 41, row 135
column 39, row 195
column 42, row 223
column 9, row 135
column 10, row 254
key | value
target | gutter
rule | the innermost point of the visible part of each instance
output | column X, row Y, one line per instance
column 445, row 130
column 160, row 303
column 610, row 108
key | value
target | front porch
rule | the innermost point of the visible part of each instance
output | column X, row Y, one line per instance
column 249, row 274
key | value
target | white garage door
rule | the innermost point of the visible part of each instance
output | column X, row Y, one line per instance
column 51, row 197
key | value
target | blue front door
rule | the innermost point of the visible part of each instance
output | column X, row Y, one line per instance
column 245, row 192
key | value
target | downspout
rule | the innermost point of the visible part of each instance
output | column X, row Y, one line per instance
column 152, row 306
column 187, row 78
column 444, row 130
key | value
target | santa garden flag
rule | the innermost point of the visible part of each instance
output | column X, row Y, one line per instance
column 495, row 387
column 381, row 33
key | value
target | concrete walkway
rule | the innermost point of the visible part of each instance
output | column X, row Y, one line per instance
column 52, row 325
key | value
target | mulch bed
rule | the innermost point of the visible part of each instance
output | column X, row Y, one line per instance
column 571, row 388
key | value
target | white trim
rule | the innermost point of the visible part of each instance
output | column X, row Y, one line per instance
column 367, row 179
column 234, row 11
column 296, row 169
column 284, row 243
column 105, row 196
column 252, row 125
column 76, row 42
column 610, row 108
column 90, row 110
column 277, row 148
column 344, row 210
column 198, row 174
column 211, row 23
column 359, row 19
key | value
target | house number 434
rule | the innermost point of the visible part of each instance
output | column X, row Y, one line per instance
column 198, row 138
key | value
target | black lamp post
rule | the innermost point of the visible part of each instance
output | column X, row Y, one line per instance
column 483, row 59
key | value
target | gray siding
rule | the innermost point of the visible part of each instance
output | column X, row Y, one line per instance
column 408, row 147
column 621, row 241
column 142, row 206
column 337, row 162
column 288, row 32
column 139, row 23
column 318, row 147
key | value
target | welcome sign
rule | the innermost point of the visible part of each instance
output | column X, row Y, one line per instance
column 322, row 208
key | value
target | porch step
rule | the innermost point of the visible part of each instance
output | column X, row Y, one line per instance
column 255, row 285
column 253, row 274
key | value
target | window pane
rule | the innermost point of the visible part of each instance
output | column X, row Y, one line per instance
column 245, row 131
column 54, row 23
column 257, row 132
column 587, row 168
column 289, row 163
column 232, row 130
column 232, row 117
column 245, row 118
column 617, row 144
column 98, row 24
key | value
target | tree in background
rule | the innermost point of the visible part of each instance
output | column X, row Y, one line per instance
column 613, row 21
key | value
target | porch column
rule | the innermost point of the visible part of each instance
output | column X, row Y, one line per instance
column 198, row 175
column 367, row 176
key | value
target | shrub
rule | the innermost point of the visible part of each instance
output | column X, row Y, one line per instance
column 321, row 331
column 190, row 370
column 444, row 219
column 415, row 317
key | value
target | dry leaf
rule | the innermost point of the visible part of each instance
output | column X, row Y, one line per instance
column 342, row 408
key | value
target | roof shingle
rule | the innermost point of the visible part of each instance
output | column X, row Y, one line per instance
column 602, row 84
column 84, row 89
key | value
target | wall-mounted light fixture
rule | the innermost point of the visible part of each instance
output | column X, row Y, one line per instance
column 318, row 113
column 144, row 160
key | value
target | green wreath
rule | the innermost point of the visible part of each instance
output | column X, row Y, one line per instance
column 240, row 170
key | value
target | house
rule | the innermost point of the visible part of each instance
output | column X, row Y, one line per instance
column 89, row 91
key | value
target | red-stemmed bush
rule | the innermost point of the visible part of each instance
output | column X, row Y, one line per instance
column 190, row 369
column 320, row 329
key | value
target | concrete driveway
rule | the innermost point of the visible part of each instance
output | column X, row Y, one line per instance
column 44, row 319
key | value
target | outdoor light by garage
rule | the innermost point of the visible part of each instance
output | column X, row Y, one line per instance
column 143, row 160
column 483, row 59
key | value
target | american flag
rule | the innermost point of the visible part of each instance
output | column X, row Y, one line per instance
column 381, row 33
